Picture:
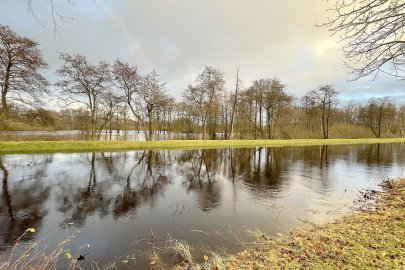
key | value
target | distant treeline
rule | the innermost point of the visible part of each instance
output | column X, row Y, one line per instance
column 117, row 96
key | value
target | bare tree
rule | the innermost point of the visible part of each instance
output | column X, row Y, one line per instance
column 234, row 98
column 84, row 83
column 21, row 63
column 270, row 100
column 258, row 89
column 401, row 121
column 153, row 95
column 246, row 119
column 204, row 96
column 376, row 113
column 276, row 101
column 164, row 113
column 322, row 100
column 308, row 115
column 351, row 113
column 128, row 80
column 372, row 33
column 143, row 93
column 110, row 105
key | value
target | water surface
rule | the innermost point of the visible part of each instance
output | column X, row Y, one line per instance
column 206, row 197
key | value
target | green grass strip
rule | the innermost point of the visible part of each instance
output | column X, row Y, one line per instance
column 29, row 147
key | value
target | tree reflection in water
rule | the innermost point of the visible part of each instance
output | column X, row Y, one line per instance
column 144, row 182
column 77, row 203
column 148, row 184
column 22, row 202
column 200, row 168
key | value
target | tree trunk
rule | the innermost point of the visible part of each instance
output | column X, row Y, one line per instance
column 379, row 121
column 327, row 120
column 371, row 113
column 111, row 125
column 235, row 101
column 150, row 128
column 4, row 107
column 93, row 125
column 261, row 118
column 255, row 137
column 225, row 121
column 4, row 90
column 323, row 119
column 268, row 123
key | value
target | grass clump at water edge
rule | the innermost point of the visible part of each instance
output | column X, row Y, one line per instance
column 37, row 255
column 107, row 146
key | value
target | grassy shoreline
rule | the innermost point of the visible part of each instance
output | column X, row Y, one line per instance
column 14, row 147
column 373, row 239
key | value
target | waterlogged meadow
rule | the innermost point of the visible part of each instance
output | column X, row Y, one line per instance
column 121, row 207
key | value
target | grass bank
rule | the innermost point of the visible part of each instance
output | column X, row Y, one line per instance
column 366, row 240
column 106, row 146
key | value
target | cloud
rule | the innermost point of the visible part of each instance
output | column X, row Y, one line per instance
column 178, row 38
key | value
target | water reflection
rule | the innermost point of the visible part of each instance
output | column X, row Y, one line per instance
column 142, row 187
column 128, row 193
column 76, row 203
column 379, row 154
column 22, row 202
column 121, row 191
column 200, row 170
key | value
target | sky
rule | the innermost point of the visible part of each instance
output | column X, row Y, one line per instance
column 178, row 38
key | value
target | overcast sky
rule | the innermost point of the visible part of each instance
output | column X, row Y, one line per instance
column 177, row 38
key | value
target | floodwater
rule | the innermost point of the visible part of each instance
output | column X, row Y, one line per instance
column 122, row 202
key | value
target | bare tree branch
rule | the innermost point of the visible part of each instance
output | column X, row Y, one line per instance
column 59, row 20
column 372, row 35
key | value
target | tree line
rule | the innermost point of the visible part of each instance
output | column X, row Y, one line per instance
column 118, row 96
